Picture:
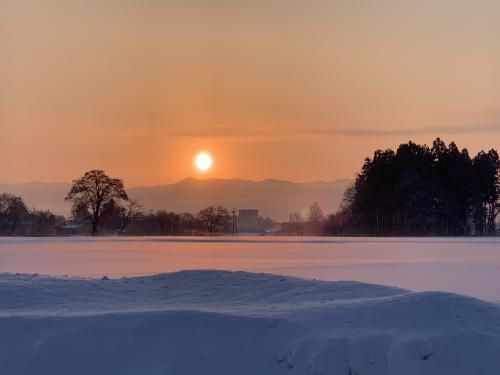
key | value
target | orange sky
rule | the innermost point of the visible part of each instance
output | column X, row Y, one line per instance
column 298, row 90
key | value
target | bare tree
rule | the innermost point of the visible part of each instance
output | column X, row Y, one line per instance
column 132, row 210
column 315, row 213
column 92, row 192
column 214, row 218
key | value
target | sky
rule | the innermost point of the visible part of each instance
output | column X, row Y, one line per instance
column 287, row 89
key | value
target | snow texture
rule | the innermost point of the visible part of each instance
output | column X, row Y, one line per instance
column 469, row 266
column 238, row 323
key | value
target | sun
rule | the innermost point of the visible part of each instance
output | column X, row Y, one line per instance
column 203, row 161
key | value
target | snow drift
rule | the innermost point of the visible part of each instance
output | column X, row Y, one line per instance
column 217, row 322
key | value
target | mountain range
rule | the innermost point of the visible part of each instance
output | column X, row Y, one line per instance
column 274, row 198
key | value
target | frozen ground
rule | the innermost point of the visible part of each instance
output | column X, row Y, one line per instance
column 227, row 323
column 468, row 266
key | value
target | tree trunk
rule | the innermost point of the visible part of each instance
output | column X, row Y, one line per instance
column 95, row 230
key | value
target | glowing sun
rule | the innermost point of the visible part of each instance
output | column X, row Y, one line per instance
column 203, row 161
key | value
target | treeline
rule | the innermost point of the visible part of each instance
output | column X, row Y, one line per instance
column 17, row 220
column 415, row 190
column 421, row 190
column 100, row 205
column 212, row 220
column 118, row 218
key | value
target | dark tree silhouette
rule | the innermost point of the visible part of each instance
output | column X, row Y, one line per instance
column 13, row 215
column 91, row 194
column 130, row 211
column 487, row 177
column 45, row 223
column 167, row 223
column 214, row 218
column 163, row 223
column 419, row 190
column 17, row 220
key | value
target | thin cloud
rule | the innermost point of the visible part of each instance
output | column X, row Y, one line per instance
column 355, row 132
column 417, row 131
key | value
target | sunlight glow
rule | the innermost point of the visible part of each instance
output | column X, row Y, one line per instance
column 203, row 161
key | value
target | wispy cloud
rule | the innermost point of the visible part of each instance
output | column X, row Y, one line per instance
column 484, row 128
column 354, row 132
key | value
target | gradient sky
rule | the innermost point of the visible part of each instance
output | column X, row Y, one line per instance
column 298, row 90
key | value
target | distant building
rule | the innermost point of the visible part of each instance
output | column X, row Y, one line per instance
column 248, row 221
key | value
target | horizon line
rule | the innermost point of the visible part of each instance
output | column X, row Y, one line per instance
column 189, row 178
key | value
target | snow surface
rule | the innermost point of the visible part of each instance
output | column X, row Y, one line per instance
column 238, row 323
column 469, row 266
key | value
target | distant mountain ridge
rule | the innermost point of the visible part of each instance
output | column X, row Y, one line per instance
column 273, row 198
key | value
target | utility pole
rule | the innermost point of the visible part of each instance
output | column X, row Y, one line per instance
column 235, row 224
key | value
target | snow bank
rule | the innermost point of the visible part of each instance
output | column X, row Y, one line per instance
column 217, row 322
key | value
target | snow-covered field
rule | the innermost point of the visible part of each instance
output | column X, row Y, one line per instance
column 468, row 266
column 227, row 323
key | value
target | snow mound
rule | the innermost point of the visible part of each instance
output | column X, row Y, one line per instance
column 206, row 290
column 218, row 322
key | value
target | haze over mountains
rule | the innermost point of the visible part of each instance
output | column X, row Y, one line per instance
column 40, row 195
column 273, row 198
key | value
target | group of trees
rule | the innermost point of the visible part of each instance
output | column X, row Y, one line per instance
column 421, row 190
column 417, row 190
column 211, row 220
column 100, row 204
column 310, row 222
column 16, row 219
